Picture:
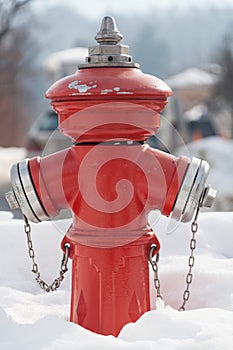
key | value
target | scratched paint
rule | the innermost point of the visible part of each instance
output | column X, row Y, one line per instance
column 84, row 88
column 117, row 89
column 125, row 92
column 106, row 91
column 81, row 87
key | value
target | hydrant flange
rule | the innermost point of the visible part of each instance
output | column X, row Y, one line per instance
column 24, row 195
column 191, row 190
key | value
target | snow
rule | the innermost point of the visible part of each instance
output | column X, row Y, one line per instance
column 192, row 77
column 32, row 319
column 195, row 112
column 72, row 56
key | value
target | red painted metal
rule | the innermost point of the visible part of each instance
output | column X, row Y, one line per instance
column 110, row 285
column 109, row 236
column 97, row 104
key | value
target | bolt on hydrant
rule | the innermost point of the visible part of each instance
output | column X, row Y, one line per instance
column 110, row 180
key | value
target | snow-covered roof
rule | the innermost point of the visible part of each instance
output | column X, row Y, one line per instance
column 192, row 77
column 72, row 56
column 195, row 112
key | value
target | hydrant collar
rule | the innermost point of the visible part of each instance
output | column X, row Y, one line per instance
column 111, row 143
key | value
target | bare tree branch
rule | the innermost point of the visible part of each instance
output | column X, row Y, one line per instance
column 8, row 10
column 15, row 51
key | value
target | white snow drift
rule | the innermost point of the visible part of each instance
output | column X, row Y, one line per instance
column 31, row 319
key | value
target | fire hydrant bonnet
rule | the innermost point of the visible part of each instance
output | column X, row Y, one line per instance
column 98, row 85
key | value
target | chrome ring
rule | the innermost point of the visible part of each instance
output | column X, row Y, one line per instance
column 191, row 190
column 25, row 193
column 184, row 190
column 196, row 192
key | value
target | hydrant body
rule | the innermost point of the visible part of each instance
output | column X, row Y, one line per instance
column 109, row 237
column 110, row 180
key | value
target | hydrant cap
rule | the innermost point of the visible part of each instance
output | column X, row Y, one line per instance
column 108, row 76
column 117, row 83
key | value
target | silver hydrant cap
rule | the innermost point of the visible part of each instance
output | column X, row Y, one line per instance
column 109, row 53
column 108, row 34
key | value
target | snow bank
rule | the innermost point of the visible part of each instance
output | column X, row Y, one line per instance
column 31, row 319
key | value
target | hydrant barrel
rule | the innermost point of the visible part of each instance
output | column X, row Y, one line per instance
column 105, row 297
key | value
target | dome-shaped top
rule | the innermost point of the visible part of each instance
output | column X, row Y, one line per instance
column 108, row 83
column 109, row 76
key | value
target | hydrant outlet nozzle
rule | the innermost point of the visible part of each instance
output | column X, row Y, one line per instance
column 23, row 194
column 193, row 191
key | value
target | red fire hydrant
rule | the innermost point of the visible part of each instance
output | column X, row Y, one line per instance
column 110, row 180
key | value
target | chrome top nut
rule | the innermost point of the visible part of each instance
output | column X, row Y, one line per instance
column 208, row 197
column 109, row 52
column 11, row 200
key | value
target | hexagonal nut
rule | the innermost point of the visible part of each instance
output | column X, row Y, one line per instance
column 208, row 197
column 11, row 200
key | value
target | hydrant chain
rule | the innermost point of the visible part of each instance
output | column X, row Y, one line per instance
column 63, row 269
column 154, row 265
column 191, row 260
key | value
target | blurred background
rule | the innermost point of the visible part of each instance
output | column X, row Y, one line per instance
column 189, row 44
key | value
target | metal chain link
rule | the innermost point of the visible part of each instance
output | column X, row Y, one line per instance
column 154, row 264
column 63, row 269
column 191, row 260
